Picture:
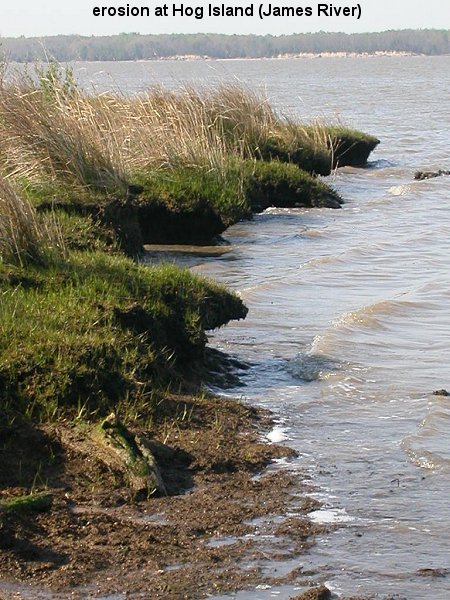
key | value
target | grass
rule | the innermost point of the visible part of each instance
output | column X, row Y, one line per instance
column 38, row 502
column 183, row 189
column 318, row 148
column 350, row 147
column 52, row 132
column 99, row 331
column 26, row 237
column 85, row 331
column 84, row 233
column 284, row 185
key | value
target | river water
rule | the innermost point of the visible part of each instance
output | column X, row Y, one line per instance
column 348, row 329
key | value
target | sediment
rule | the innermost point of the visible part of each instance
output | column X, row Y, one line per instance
column 96, row 540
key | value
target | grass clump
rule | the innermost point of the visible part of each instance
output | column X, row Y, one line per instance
column 190, row 205
column 50, row 133
column 36, row 502
column 100, row 330
column 350, row 147
column 84, row 232
column 53, row 131
column 25, row 237
column 193, row 205
column 284, row 185
column 318, row 148
column 186, row 188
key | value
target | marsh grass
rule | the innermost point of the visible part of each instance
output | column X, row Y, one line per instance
column 185, row 188
column 99, row 331
column 189, row 149
column 52, row 131
column 284, row 185
column 25, row 236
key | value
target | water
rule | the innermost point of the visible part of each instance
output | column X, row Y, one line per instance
column 348, row 325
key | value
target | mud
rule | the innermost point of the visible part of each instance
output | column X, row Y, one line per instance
column 203, row 539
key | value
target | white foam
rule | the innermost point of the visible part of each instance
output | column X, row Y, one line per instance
column 399, row 190
column 277, row 435
column 331, row 515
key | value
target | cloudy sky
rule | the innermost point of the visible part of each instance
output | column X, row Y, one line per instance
column 52, row 17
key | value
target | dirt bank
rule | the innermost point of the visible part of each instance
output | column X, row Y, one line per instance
column 205, row 537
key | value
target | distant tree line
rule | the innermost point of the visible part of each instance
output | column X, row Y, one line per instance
column 133, row 46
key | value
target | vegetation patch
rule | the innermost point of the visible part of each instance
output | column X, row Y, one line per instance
column 318, row 149
column 350, row 147
column 39, row 502
column 99, row 331
column 164, row 167
column 312, row 160
column 285, row 186
column 188, row 205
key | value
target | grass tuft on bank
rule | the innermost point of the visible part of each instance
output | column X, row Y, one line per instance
column 25, row 236
column 286, row 186
column 99, row 331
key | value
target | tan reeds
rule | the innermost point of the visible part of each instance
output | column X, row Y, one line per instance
column 52, row 130
column 55, row 133
column 25, row 236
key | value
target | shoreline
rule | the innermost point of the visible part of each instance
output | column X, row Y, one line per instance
column 279, row 57
column 301, row 55
column 95, row 540
column 118, row 472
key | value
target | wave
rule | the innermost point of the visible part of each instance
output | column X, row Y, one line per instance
column 401, row 190
column 429, row 446
column 312, row 367
column 315, row 233
column 375, row 317
column 372, row 316
column 330, row 516
column 323, row 260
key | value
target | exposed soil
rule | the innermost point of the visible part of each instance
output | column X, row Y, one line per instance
column 222, row 528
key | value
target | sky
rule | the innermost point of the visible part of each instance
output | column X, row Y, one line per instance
column 53, row 17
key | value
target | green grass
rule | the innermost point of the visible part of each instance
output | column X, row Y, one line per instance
column 318, row 148
column 184, row 189
column 99, row 331
column 59, row 192
column 189, row 199
column 286, row 186
column 35, row 502
column 349, row 147
column 300, row 152
column 84, row 233
column 184, row 205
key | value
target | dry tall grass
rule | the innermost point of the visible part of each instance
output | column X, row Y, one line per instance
column 25, row 237
column 55, row 135
column 54, row 130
